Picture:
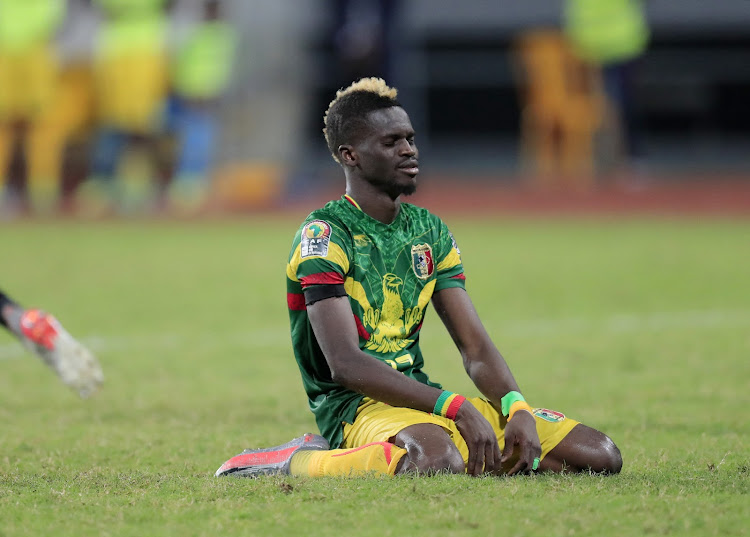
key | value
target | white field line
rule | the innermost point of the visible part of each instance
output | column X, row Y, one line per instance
column 614, row 324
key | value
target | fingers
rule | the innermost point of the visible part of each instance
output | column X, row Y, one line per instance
column 507, row 451
column 484, row 458
column 471, row 464
column 527, row 453
column 491, row 458
column 523, row 466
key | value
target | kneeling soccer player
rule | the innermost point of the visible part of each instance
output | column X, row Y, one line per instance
column 360, row 276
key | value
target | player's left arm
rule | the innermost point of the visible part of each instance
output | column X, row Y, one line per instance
column 488, row 370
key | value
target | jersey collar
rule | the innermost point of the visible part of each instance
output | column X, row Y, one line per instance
column 351, row 200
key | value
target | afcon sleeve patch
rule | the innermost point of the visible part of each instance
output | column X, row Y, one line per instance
column 549, row 415
column 316, row 236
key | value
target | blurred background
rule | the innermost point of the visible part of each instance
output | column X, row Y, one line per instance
column 190, row 107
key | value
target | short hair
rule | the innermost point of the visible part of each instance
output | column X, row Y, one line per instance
column 346, row 113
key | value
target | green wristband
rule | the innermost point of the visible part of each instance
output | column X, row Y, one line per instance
column 507, row 401
column 440, row 401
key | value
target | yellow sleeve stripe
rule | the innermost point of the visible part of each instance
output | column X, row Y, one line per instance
column 291, row 267
column 450, row 261
column 335, row 255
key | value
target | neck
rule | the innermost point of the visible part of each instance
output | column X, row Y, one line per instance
column 375, row 203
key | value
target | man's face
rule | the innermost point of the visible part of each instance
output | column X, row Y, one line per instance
column 387, row 152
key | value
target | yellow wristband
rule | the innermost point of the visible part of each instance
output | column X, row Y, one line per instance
column 518, row 405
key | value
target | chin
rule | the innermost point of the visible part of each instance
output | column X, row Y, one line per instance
column 407, row 189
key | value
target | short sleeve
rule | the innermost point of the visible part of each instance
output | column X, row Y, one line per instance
column 450, row 270
column 320, row 254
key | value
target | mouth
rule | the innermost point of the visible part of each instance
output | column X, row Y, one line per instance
column 411, row 167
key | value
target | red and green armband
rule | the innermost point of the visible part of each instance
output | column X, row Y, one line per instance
column 511, row 403
column 447, row 404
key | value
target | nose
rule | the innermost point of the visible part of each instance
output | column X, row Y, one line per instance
column 407, row 148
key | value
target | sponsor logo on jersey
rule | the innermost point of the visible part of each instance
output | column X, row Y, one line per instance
column 421, row 261
column 316, row 236
column 549, row 415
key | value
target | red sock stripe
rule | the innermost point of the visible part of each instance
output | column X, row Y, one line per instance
column 387, row 446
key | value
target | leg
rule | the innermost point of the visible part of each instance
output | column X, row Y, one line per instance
column 10, row 312
column 43, row 335
column 309, row 456
column 429, row 449
column 584, row 449
column 196, row 134
column 99, row 194
column 108, row 146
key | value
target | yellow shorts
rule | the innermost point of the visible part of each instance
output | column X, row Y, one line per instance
column 28, row 82
column 379, row 422
column 131, row 90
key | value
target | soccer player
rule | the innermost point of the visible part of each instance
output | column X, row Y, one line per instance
column 43, row 335
column 361, row 273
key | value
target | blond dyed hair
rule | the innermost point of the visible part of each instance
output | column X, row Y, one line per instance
column 348, row 110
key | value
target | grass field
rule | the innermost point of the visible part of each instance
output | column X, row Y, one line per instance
column 636, row 327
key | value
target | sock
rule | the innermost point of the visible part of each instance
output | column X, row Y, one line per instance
column 378, row 458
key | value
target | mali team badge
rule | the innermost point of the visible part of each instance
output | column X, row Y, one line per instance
column 421, row 261
column 316, row 236
column 549, row 415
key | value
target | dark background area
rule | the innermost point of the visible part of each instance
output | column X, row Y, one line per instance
column 457, row 79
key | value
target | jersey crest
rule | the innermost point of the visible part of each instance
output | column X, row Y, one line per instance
column 316, row 236
column 392, row 324
column 422, row 263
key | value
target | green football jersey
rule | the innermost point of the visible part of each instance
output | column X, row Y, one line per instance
column 389, row 272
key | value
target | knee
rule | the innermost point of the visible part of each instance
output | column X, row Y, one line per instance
column 585, row 450
column 444, row 458
column 430, row 454
column 608, row 459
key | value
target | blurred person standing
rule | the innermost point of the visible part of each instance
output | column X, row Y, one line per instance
column 362, row 39
column 28, row 83
column 612, row 34
column 201, row 72
column 130, row 82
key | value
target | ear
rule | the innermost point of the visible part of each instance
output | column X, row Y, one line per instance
column 348, row 155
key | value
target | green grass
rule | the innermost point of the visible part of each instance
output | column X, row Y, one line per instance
column 636, row 327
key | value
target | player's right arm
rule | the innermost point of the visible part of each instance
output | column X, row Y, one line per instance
column 332, row 321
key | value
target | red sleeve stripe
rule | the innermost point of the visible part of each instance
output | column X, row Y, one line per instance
column 458, row 277
column 296, row 301
column 322, row 278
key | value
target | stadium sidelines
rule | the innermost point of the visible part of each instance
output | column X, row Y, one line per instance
column 614, row 324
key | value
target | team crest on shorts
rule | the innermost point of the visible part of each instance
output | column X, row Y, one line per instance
column 549, row 415
column 316, row 236
column 421, row 261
